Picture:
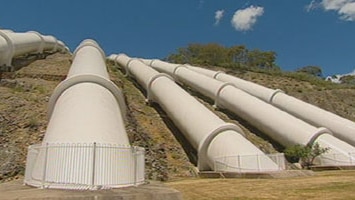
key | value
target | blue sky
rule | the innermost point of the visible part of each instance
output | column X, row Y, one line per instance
column 301, row 32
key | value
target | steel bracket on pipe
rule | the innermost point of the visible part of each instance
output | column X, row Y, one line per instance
column 202, row 162
column 216, row 99
column 150, row 82
column 7, row 57
column 87, row 78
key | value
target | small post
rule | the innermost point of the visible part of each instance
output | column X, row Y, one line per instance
column 93, row 165
column 258, row 162
column 215, row 165
column 240, row 165
column 45, row 167
column 135, row 164
column 351, row 159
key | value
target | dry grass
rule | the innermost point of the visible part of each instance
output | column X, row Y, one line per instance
column 324, row 185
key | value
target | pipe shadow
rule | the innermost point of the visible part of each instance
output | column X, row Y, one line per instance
column 278, row 147
column 23, row 61
column 179, row 136
column 186, row 145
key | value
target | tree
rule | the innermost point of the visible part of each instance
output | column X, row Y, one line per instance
column 311, row 70
column 216, row 54
column 304, row 154
column 238, row 54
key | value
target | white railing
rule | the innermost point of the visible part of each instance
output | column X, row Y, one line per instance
column 84, row 166
column 333, row 159
column 250, row 163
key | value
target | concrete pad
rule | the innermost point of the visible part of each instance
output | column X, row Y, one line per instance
column 16, row 190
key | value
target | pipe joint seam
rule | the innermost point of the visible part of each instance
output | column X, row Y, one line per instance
column 150, row 82
column 274, row 94
column 177, row 67
column 151, row 62
column 7, row 57
column 127, row 66
column 216, row 99
column 320, row 131
column 202, row 163
column 217, row 73
column 176, row 78
column 115, row 58
column 91, row 43
column 87, row 78
column 41, row 46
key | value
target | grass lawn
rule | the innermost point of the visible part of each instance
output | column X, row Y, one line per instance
column 324, row 185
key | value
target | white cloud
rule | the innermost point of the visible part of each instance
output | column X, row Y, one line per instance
column 218, row 16
column 347, row 12
column 345, row 8
column 244, row 19
column 313, row 5
column 334, row 4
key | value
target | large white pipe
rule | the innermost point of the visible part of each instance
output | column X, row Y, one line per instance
column 342, row 128
column 85, row 110
column 208, row 134
column 86, row 102
column 279, row 125
column 14, row 44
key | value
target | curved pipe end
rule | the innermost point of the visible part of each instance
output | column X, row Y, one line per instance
column 87, row 78
column 320, row 131
column 202, row 162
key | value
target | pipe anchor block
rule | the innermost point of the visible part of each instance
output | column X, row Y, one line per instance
column 202, row 162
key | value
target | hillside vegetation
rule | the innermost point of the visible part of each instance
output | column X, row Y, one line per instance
column 25, row 93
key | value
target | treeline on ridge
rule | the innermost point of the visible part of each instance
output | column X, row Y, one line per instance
column 214, row 54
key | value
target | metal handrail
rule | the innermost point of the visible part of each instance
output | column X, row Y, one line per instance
column 222, row 163
column 84, row 166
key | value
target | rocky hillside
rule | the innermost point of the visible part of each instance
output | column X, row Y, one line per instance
column 25, row 93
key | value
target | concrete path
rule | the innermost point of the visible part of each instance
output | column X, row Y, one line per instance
column 16, row 190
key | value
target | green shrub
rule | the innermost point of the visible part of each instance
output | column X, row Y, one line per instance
column 304, row 154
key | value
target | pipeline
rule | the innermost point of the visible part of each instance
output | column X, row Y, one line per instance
column 342, row 128
column 277, row 124
column 14, row 44
column 85, row 144
column 208, row 134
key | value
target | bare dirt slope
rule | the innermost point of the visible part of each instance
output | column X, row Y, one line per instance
column 24, row 95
